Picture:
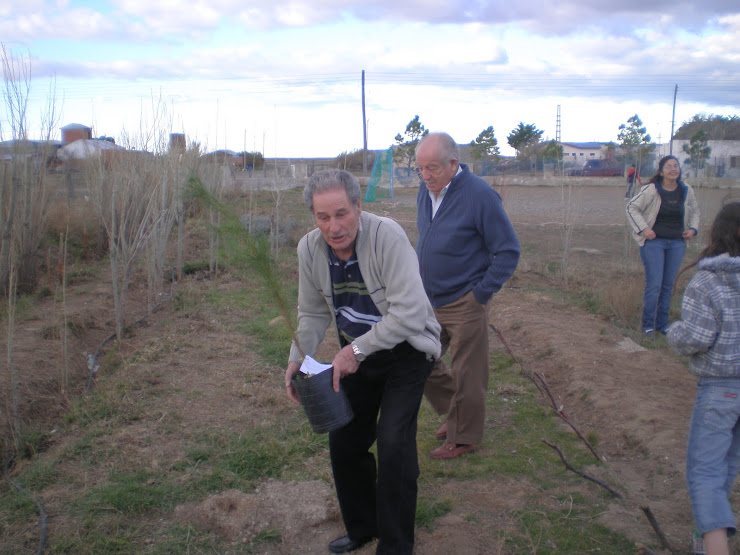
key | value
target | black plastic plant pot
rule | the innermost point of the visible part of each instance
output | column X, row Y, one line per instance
column 326, row 409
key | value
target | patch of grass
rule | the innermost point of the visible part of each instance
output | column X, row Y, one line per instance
column 267, row 452
column 93, row 409
column 132, row 493
column 16, row 506
column 272, row 338
column 39, row 475
column 31, row 442
column 111, row 360
column 428, row 510
column 512, row 451
column 212, row 481
column 268, row 535
column 214, row 462
column 23, row 307
column 152, row 351
column 102, row 533
column 186, row 539
column 195, row 266
column 571, row 530
column 518, row 421
column 83, row 275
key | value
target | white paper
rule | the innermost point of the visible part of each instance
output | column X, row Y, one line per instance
column 311, row 366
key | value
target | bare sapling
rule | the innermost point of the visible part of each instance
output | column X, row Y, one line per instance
column 255, row 250
column 187, row 163
column 24, row 190
column 210, row 176
column 134, row 192
column 570, row 201
column 65, row 330
column 275, row 227
column 15, row 419
column 128, row 207
column 161, row 172
column 165, row 180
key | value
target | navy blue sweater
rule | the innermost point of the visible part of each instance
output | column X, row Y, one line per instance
column 470, row 243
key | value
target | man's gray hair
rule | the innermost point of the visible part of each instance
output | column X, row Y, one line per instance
column 328, row 180
column 448, row 150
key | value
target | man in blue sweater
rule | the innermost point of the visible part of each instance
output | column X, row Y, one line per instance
column 467, row 250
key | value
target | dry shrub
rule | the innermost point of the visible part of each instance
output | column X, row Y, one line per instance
column 622, row 296
column 80, row 220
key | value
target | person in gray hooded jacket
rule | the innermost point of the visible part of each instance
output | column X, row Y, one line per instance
column 709, row 332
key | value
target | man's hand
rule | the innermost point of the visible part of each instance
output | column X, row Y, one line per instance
column 293, row 369
column 344, row 363
column 649, row 234
column 688, row 234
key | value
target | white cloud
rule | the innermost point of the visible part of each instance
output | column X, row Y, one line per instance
column 172, row 16
column 464, row 64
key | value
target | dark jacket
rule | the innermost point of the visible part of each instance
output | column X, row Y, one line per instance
column 469, row 245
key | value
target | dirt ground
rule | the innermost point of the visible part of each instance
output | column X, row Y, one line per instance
column 637, row 400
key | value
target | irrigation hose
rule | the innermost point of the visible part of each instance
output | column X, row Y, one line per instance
column 39, row 506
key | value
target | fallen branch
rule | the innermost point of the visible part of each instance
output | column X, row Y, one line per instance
column 582, row 474
column 541, row 384
column 654, row 523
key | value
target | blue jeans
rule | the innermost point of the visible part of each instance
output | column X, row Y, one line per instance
column 713, row 454
column 662, row 260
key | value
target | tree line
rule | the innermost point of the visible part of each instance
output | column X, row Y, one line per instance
column 634, row 143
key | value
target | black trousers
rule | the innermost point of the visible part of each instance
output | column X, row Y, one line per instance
column 380, row 501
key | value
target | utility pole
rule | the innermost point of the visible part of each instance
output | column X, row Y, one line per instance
column 558, row 138
column 673, row 119
column 364, row 129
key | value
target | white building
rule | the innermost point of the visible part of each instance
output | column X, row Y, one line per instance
column 724, row 159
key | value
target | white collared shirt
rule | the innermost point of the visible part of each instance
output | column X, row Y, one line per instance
column 436, row 202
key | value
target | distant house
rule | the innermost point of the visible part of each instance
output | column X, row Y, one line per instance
column 578, row 153
column 724, row 160
column 27, row 148
column 72, row 154
column 74, row 132
column 38, row 153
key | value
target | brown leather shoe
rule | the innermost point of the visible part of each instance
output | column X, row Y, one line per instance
column 442, row 432
column 450, row 451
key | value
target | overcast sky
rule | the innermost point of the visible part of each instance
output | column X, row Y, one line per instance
column 284, row 77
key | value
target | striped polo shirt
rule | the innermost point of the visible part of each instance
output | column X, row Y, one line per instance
column 354, row 308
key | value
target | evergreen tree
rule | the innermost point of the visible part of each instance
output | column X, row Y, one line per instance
column 698, row 150
column 405, row 151
column 523, row 137
column 553, row 150
column 717, row 128
column 485, row 144
column 635, row 140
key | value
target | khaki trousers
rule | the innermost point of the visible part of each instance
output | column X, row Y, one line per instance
column 460, row 390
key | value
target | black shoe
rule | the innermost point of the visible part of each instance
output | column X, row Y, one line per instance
column 346, row 544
